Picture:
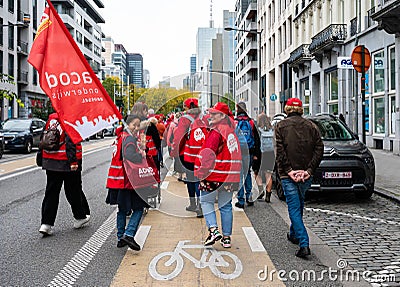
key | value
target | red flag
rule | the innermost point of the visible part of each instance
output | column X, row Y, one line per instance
column 82, row 103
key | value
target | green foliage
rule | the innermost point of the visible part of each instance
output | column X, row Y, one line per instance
column 228, row 99
column 7, row 94
column 44, row 111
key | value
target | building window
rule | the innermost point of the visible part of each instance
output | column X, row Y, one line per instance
column 332, row 81
column 392, row 115
column 10, row 36
column 97, row 35
column 1, row 32
column 379, row 115
column 79, row 19
column 34, row 77
column 1, row 62
column 305, row 92
column 11, row 65
column 392, row 69
column 11, row 6
column 379, row 72
column 79, row 37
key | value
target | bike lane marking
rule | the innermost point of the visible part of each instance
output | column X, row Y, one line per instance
column 178, row 238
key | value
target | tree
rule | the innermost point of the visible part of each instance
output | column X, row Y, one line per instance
column 7, row 94
column 228, row 99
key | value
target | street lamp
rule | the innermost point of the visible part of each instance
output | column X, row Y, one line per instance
column 258, row 33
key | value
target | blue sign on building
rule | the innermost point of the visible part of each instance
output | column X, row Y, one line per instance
column 273, row 97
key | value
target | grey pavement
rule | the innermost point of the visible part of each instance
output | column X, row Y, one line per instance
column 387, row 179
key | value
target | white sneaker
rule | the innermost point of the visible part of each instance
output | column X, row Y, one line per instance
column 46, row 229
column 78, row 223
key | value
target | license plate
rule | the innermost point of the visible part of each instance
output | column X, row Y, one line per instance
column 342, row 174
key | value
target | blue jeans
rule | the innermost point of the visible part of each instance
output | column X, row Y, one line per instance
column 246, row 174
column 133, row 223
column 207, row 200
column 295, row 193
column 192, row 183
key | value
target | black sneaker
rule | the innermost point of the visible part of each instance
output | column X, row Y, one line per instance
column 239, row 205
column 121, row 244
column 226, row 242
column 249, row 203
column 130, row 241
column 303, row 252
column 213, row 237
column 260, row 197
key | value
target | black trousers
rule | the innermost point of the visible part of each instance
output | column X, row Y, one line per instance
column 73, row 192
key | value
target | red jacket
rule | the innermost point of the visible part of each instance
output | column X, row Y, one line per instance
column 220, row 156
column 116, row 176
column 67, row 154
column 196, row 137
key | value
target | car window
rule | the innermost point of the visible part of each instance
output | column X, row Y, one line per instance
column 16, row 125
column 331, row 129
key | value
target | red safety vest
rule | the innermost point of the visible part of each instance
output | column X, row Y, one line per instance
column 117, row 178
column 196, row 136
column 152, row 149
column 61, row 153
column 228, row 161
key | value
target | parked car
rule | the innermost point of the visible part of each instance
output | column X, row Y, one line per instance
column 347, row 164
column 111, row 130
column 22, row 134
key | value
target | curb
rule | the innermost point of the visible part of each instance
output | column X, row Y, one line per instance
column 387, row 194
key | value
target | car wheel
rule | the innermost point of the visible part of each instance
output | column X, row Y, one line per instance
column 28, row 146
column 365, row 194
column 102, row 134
column 279, row 189
column 1, row 152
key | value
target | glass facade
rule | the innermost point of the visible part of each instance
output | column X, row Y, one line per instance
column 392, row 69
column 379, row 72
column 392, row 115
column 333, row 92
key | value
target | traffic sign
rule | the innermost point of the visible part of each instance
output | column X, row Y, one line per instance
column 273, row 97
column 360, row 52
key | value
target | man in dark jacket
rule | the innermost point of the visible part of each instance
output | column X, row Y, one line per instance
column 249, row 153
column 63, row 166
column 299, row 150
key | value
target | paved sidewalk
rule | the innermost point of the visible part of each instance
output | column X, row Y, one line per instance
column 387, row 170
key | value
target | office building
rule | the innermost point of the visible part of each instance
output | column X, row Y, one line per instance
column 135, row 69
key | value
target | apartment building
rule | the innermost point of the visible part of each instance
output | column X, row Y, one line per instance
column 325, row 33
column 81, row 17
column 275, row 22
column 246, row 53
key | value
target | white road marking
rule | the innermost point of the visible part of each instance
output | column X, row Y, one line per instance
column 141, row 234
column 74, row 268
column 253, row 239
column 353, row 215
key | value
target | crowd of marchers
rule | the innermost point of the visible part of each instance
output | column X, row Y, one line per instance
column 215, row 154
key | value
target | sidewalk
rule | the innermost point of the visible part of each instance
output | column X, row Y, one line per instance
column 387, row 179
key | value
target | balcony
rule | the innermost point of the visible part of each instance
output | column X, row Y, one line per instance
column 22, row 77
column 353, row 27
column 387, row 16
column 300, row 55
column 334, row 34
column 22, row 48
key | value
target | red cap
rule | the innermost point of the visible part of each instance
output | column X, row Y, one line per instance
column 294, row 102
column 195, row 102
column 220, row 108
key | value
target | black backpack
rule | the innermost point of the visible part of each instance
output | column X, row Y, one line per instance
column 50, row 139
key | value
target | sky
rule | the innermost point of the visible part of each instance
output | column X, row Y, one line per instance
column 163, row 31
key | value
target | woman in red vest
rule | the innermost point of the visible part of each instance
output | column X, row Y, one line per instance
column 63, row 166
column 218, row 166
column 120, row 190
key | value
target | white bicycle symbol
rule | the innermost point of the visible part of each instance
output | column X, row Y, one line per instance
column 216, row 260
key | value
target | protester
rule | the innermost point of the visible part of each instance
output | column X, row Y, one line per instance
column 299, row 150
column 178, row 168
column 218, row 166
column 250, row 146
column 188, row 139
column 63, row 166
column 120, row 190
column 149, row 127
column 263, row 165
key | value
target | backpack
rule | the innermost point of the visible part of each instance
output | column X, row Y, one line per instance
column 267, row 141
column 50, row 139
column 244, row 131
